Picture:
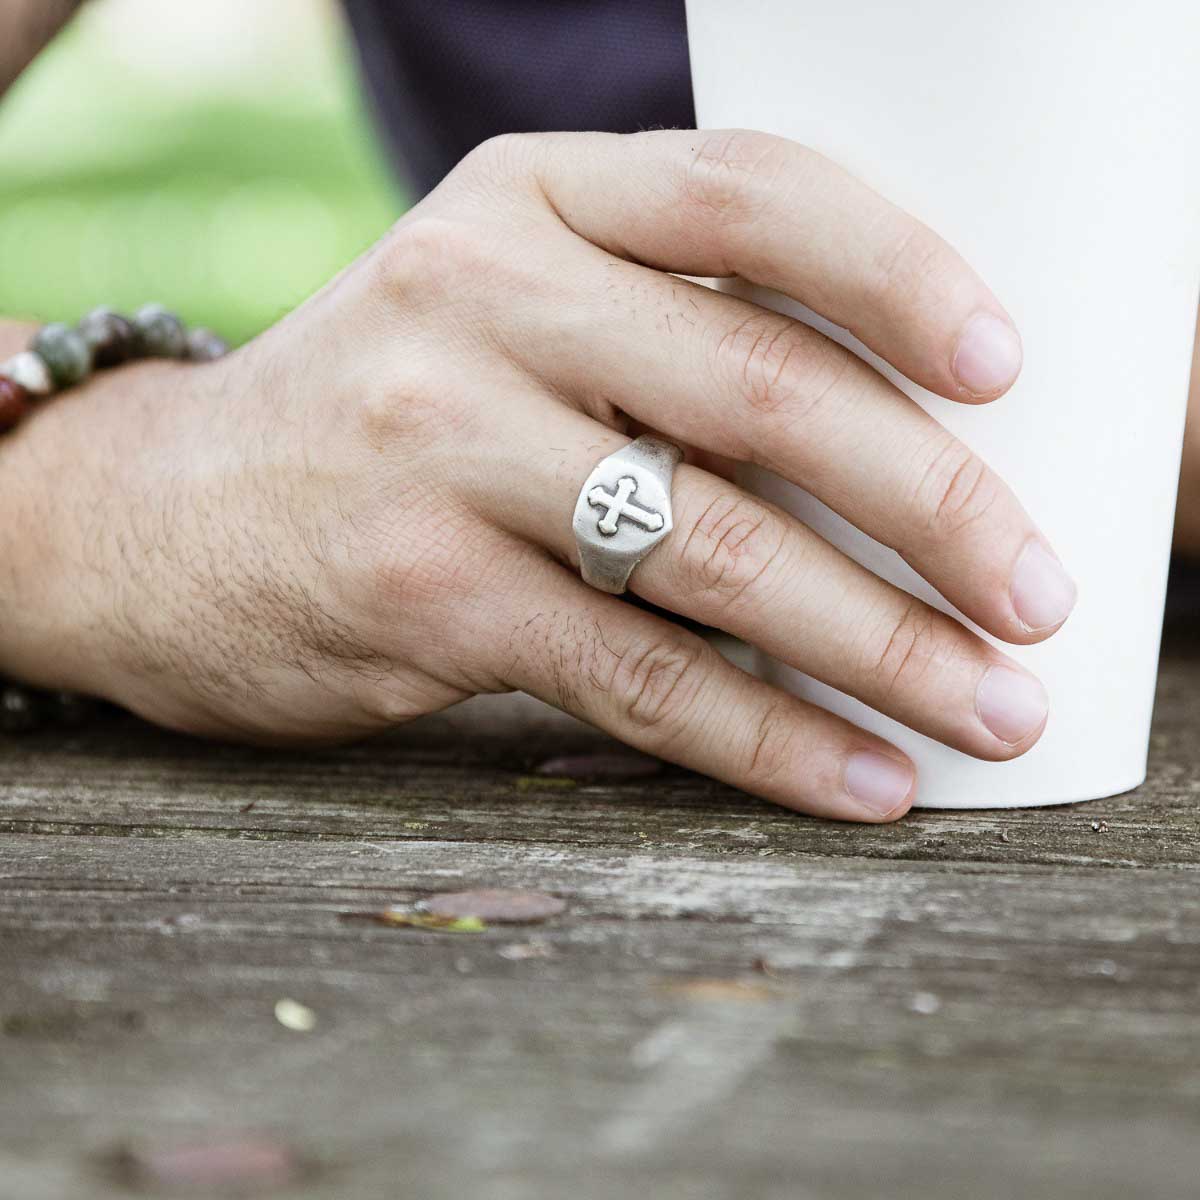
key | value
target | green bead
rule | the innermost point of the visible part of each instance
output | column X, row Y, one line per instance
column 160, row 332
column 65, row 352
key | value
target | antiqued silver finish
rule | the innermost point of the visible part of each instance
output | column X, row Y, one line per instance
column 624, row 511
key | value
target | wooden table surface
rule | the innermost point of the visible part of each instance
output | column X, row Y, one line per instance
column 738, row 1002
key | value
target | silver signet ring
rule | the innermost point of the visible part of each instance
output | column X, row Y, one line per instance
column 624, row 511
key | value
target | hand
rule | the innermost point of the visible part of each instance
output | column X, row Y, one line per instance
column 365, row 514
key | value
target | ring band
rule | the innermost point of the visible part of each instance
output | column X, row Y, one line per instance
column 624, row 511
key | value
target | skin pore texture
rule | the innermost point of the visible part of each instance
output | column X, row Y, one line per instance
column 364, row 514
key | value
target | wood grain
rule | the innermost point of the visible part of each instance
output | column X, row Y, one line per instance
column 738, row 1002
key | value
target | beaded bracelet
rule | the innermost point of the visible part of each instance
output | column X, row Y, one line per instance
column 61, row 356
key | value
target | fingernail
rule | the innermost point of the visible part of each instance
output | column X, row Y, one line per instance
column 1043, row 594
column 1011, row 704
column 879, row 782
column 988, row 356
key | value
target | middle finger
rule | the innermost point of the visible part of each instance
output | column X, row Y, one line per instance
column 731, row 377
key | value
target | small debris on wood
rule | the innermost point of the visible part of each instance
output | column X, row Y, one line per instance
column 520, row 951
column 499, row 906
column 248, row 807
column 925, row 1003
column 291, row 1014
column 1004, row 836
column 1100, row 826
column 545, row 783
column 407, row 918
column 601, row 766
column 721, row 990
column 246, row 1166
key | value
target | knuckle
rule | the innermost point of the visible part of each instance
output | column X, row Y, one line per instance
column 913, row 259
column 956, row 489
column 902, row 649
column 657, row 686
column 502, row 156
column 762, row 353
column 734, row 545
column 389, row 703
column 772, row 748
column 780, row 370
column 431, row 252
column 410, row 406
column 731, row 172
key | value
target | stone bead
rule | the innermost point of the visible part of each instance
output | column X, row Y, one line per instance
column 14, row 403
column 203, row 346
column 160, row 332
column 110, row 337
column 19, row 710
column 65, row 352
column 30, row 371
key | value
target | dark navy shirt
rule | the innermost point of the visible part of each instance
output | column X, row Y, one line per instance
column 445, row 75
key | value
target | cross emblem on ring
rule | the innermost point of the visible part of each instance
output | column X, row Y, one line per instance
column 618, row 506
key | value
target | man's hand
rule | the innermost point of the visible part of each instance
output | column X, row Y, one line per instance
column 365, row 514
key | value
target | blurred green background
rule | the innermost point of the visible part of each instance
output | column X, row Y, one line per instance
column 218, row 159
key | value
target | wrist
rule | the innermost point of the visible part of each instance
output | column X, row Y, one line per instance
column 46, row 637
column 78, row 483
column 35, row 626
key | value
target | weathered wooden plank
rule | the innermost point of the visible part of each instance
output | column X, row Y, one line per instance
column 460, row 777
column 739, row 1002
column 894, row 989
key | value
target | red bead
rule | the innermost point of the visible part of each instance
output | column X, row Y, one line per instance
column 14, row 403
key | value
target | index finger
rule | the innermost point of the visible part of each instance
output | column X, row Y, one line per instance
column 738, row 202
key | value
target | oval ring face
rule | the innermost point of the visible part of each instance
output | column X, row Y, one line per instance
column 624, row 510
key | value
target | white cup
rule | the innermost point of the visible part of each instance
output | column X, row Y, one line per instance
column 1056, row 145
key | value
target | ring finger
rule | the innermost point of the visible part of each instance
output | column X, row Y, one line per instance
column 738, row 563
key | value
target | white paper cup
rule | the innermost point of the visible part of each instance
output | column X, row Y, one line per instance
column 1056, row 145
